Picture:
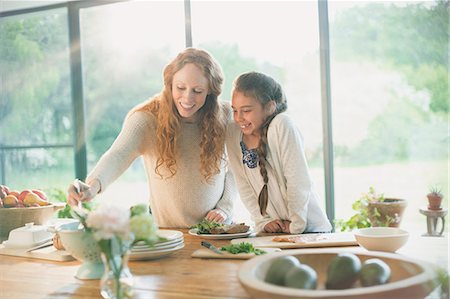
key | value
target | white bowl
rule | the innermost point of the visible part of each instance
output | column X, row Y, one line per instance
column 409, row 278
column 388, row 239
column 82, row 246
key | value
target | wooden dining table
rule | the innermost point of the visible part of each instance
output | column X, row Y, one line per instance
column 174, row 276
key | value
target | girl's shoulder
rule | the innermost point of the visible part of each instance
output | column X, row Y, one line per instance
column 282, row 120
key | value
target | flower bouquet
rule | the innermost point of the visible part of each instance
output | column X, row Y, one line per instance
column 116, row 230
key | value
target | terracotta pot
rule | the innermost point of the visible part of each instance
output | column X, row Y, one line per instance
column 434, row 202
column 387, row 213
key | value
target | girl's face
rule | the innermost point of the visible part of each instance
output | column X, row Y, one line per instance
column 189, row 90
column 248, row 113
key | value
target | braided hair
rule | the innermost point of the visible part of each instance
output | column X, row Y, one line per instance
column 267, row 91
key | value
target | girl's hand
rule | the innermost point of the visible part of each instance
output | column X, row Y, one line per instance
column 275, row 226
column 216, row 215
column 286, row 224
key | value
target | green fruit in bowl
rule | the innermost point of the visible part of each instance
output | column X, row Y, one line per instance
column 374, row 272
column 343, row 271
column 301, row 277
column 278, row 268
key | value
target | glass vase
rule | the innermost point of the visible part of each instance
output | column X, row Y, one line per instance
column 117, row 280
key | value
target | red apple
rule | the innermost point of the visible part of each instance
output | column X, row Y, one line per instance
column 23, row 194
column 40, row 193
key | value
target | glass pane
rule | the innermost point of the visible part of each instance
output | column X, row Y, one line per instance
column 277, row 38
column 38, row 168
column 125, row 47
column 390, row 102
column 35, row 103
column 35, row 106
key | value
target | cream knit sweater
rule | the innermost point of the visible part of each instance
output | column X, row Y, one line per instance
column 182, row 200
column 291, row 192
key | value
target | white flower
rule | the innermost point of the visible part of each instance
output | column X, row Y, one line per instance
column 108, row 221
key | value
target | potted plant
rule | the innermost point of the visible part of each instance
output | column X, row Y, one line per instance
column 435, row 199
column 374, row 209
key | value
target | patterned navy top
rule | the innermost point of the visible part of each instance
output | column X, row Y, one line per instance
column 249, row 156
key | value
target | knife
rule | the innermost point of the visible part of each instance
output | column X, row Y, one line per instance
column 211, row 247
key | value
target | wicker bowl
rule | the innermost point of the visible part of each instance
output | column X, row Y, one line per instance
column 11, row 218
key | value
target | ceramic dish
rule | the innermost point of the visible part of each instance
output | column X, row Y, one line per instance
column 154, row 254
column 156, row 247
column 381, row 238
column 194, row 231
column 28, row 236
column 409, row 278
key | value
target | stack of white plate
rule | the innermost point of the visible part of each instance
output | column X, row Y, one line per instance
column 173, row 242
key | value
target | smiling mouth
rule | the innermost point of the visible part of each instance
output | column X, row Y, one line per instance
column 245, row 126
column 186, row 106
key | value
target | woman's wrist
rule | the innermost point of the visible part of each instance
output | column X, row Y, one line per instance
column 96, row 186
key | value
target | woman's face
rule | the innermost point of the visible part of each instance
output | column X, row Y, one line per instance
column 248, row 113
column 189, row 90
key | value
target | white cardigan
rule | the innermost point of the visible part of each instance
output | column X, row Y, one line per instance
column 296, row 201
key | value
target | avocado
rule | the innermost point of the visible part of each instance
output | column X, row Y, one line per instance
column 374, row 272
column 278, row 268
column 343, row 271
column 301, row 277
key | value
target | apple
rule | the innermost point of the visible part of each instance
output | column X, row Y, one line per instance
column 10, row 201
column 15, row 193
column 40, row 193
column 23, row 194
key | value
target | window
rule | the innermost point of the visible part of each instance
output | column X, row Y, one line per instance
column 277, row 38
column 35, row 104
column 124, row 49
column 390, row 102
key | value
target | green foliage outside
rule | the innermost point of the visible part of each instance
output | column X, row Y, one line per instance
column 413, row 40
column 36, row 108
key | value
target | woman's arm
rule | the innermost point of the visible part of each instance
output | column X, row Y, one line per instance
column 125, row 149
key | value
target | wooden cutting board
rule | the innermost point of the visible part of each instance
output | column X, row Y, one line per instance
column 46, row 253
column 305, row 240
column 209, row 254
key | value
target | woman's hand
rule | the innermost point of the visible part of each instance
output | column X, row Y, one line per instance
column 83, row 192
column 275, row 226
column 216, row 215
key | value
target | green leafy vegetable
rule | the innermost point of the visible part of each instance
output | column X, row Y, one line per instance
column 243, row 247
column 205, row 226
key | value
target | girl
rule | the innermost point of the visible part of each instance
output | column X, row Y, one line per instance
column 267, row 158
column 180, row 134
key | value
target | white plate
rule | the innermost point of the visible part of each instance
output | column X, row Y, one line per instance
column 172, row 236
column 157, row 247
column 150, row 255
column 169, row 234
column 194, row 231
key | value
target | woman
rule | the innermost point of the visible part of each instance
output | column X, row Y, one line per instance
column 180, row 135
column 266, row 155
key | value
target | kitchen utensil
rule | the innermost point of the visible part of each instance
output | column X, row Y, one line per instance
column 211, row 247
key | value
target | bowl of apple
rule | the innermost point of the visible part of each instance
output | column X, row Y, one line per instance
column 19, row 208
